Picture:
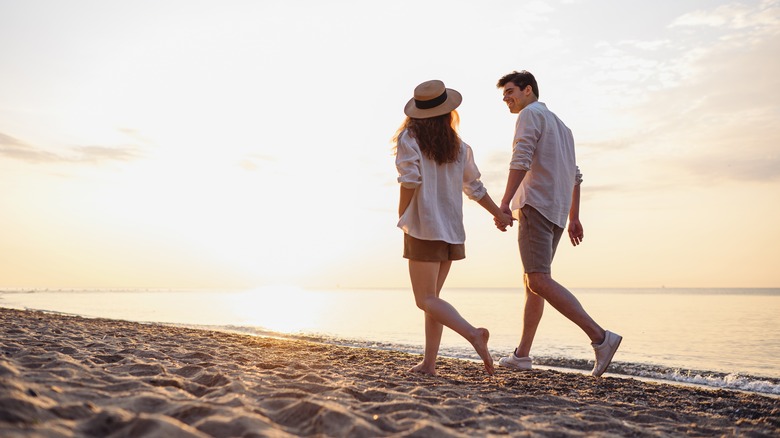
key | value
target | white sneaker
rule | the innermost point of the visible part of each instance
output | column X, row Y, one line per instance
column 516, row 363
column 604, row 352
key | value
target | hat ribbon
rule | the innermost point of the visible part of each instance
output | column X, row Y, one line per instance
column 428, row 104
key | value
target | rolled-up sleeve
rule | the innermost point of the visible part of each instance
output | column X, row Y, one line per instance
column 527, row 132
column 407, row 161
column 577, row 176
column 472, row 186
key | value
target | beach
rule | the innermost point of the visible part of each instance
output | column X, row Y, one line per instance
column 72, row 376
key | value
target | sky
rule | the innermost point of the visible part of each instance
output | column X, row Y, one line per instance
column 239, row 144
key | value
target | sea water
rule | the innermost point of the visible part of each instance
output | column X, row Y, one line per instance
column 716, row 337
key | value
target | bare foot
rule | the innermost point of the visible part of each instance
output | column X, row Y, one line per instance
column 423, row 368
column 480, row 344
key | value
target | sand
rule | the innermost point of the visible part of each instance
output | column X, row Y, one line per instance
column 71, row 376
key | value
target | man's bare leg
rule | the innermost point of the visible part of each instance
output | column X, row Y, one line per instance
column 532, row 315
column 566, row 303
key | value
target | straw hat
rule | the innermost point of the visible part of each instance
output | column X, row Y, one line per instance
column 432, row 99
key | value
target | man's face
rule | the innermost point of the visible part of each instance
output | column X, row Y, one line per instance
column 516, row 98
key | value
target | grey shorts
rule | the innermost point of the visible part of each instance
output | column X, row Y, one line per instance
column 538, row 239
column 432, row 250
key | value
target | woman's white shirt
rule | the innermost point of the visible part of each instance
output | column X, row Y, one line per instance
column 436, row 209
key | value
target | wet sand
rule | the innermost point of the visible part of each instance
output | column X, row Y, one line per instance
column 71, row 376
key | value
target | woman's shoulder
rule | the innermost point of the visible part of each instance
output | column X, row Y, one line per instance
column 407, row 138
column 407, row 144
column 464, row 147
column 465, row 153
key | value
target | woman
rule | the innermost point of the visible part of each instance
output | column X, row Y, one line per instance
column 434, row 166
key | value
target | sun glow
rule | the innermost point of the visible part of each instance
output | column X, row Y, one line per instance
column 161, row 144
column 280, row 308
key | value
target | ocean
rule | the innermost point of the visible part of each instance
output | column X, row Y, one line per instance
column 721, row 338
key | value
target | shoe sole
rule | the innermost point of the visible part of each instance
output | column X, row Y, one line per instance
column 514, row 367
column 609, row 361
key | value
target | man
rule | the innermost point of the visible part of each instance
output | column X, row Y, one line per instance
column 544, row 188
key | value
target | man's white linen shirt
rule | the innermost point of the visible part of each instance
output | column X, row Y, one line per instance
column 436, row 209
column 544, row 147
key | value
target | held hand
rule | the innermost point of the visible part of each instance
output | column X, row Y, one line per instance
column 499, row 224
column 576, row 233
column 503, row 221
column 507, row 211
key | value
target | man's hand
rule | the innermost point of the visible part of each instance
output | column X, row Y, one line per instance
column 575, row 232
column 507, row 218
column 503, row 221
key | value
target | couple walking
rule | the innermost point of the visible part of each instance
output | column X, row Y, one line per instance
column 543, row 190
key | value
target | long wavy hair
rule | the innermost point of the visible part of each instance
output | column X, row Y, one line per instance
column 437, row 136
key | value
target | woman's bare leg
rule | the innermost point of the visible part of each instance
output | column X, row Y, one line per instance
column 426, row 284
column 433, row 330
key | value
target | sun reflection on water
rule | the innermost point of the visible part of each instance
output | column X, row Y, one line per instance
column 280, row 308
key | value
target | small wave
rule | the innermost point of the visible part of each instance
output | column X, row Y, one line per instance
column 719, row 380
column 712, row 379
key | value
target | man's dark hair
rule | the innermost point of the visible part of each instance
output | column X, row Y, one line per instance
column 522, row 79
